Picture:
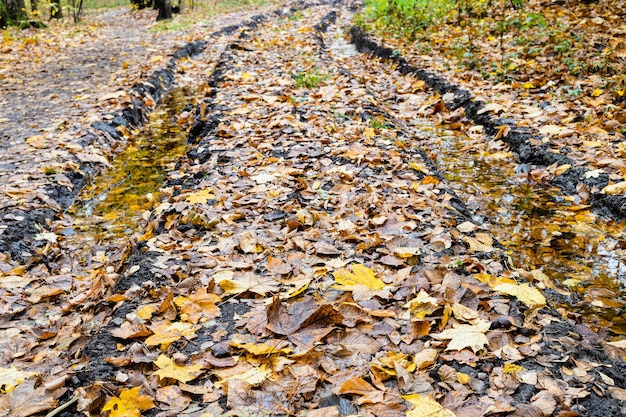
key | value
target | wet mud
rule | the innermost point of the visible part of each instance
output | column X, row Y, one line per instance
column 143, row 278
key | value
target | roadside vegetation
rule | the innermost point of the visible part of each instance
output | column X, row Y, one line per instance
column 36, row 13
column 526, row 44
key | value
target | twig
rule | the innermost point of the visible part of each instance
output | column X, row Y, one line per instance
column 62, row 407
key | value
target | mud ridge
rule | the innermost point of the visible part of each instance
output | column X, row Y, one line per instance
column 462, row 211
column 102, row 344
column 518, row 138
column 21, row 227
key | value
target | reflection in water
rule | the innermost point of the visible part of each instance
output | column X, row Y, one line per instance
column 114, row 206
column 581, row 252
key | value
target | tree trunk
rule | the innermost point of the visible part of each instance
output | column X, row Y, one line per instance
column 11, row 12
column 34, row 6
column 165, row 9
column 55, row 10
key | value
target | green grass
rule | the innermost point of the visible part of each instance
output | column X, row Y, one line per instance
column 104, row 4
column 204, row 12
column 309, row 79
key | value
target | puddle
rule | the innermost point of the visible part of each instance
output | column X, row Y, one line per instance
column 337, row 38
column 579, row 251
column 582, row 253
column 115, row 204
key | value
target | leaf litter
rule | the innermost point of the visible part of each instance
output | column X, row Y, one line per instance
column 339, row 280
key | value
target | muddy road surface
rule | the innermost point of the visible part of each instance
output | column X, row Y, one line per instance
column 316, row 241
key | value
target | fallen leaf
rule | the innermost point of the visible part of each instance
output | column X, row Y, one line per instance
column 11, row 378
column 358, row 386
column 169, row 369
column 166, row 333
column 614, row 189
column 130, row 403
column 466, row 335
column 200, row 197
column 422, row 305
column 361, row 281
column 425, row 406
column 26, row 400
column 528, row 295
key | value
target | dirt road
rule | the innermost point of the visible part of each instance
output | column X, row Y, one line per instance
column 304, row 257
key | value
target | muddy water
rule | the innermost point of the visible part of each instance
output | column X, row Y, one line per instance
column 581, row 252
column 115, row 205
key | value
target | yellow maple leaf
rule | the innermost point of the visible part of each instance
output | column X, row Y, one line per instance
column 11, row 378
column 422, row 305
column 166, row 333
column 360, row 275
column 169, row 369
column 528, row 295
column 200, row 197
column 511, row 368
column 200, row 305
column 253, row 375
column 145, row 312
column 369, row 132
column 424, row 406
column 466, row 335
column 361, row 281
column 130, row 403
column 614, row 189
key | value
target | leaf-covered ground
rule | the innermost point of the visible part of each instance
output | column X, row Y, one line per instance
column 556, row 68
column 305, row 257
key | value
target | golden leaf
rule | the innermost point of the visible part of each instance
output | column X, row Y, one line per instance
column 360, row 275
column 200, row 197
column 359, row 386
column 130, row 403
column 422, row 305
column 169, row 369
column 253, row 375
column 200, row 305
column 424, row 406
column 613, row 189
column 511, row 368
column 166, row 333
column 463, row 378
column 466, row 335
column 369, row 132
column 11, row 378
column 146, row 311
column 265, row 348
column 528, row 295
column 361, row 281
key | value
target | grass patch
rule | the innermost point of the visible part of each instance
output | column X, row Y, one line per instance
column 309, row 79
column 204, row 12
column 104, row 4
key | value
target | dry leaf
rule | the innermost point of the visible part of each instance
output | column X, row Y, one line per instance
column 528, row 295
column 130, row 403
column 200, row 197
column 361, row 281
column 424, row 406
column 11, row 378
column 169, row 369
column 466, row 335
